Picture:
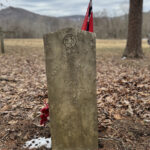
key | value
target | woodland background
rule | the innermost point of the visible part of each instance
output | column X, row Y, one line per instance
column 30, row 25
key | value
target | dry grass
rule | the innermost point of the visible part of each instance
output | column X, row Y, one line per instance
column 106, row 50
column 113, row 49
column 100, row 44
column 110, row 44
column 24, row 42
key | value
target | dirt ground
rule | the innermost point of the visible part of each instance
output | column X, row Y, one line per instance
column 123, row 95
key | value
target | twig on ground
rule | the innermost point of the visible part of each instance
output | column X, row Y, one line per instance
column 7, row 80
column 123, row 147
column 2, row 139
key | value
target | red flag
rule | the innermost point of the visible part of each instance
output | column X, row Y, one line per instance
column 88, row 20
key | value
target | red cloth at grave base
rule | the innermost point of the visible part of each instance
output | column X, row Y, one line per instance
column 44, row 115
column 88, row 20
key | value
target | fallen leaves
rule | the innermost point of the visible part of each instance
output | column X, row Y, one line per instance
column 123, row 97
column 22, row 91
column 123, row 93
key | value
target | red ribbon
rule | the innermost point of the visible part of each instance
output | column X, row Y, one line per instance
column 44, row 115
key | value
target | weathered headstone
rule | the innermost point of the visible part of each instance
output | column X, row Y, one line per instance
column 71, row 75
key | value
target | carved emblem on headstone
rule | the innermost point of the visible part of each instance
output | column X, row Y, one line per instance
column 69, row 41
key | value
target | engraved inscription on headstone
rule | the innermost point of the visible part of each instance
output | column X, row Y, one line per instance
column 71, row 75
column 69, row 41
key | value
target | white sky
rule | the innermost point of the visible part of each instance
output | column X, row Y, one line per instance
column 72, row 7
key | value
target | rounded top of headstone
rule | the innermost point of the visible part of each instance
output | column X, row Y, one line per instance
column 72, row 31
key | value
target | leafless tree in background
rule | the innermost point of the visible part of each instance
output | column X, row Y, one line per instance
column 134, row 40
column 30, row 25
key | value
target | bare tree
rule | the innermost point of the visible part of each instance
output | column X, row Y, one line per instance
column 134, row 40
column 2, row 41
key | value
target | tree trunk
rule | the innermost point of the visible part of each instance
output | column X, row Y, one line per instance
column 2, row 44
column 134, row 41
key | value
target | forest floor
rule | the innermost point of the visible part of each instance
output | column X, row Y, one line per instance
column 123, row 95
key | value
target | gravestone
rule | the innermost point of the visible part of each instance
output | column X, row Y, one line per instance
column 71, row 76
